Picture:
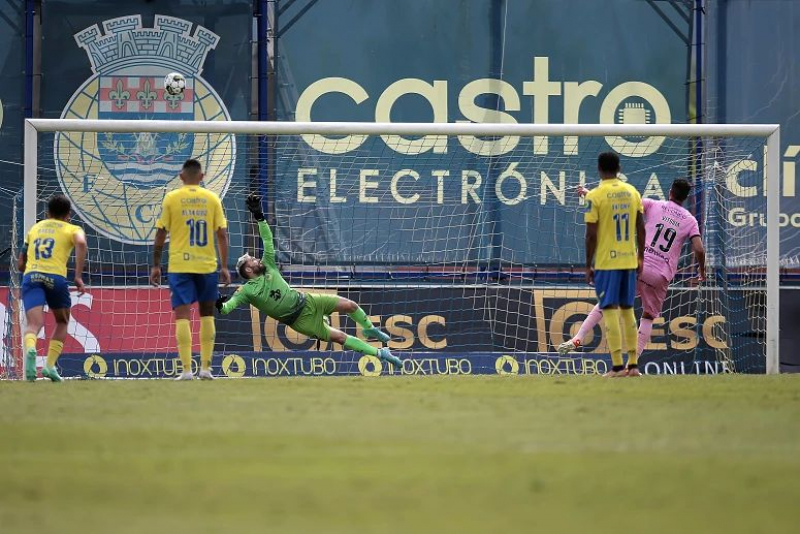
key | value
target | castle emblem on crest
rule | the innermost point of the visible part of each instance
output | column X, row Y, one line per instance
column 118, row 180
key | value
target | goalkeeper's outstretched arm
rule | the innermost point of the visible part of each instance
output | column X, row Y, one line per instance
column 254, row 205
column 226, row 304
column 267, row 239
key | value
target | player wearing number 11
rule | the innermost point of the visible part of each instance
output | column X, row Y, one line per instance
column 193, row 216
column 614, row 253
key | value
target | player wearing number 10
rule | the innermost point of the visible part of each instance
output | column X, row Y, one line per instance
column 192, row 215
column 44, row 258
column 614, row 254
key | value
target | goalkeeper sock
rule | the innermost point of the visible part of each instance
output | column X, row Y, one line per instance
column 589, row 323
column 613, row 336
column 183, row 335
column 360, row 317
column 630, row 335
column 30, row 341
column 645, row 328
column 353, row 343
column 53, row 352
column 208, row 332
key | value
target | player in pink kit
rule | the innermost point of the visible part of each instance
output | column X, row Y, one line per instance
column 667, row 226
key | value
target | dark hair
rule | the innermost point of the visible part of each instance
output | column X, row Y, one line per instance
column 680, row 189
column 192, row 165
column 241, row 271
column 58, row 206
column 608, row 163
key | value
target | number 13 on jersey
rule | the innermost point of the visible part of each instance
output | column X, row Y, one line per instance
column 43, row 248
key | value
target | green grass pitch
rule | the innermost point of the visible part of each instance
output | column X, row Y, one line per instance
column 437, row 454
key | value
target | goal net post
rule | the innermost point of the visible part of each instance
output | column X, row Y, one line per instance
column 464, row 241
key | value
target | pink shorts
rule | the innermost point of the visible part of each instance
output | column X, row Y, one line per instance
column 652, row 288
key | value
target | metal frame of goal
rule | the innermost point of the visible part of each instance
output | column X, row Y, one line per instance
column 770, row 132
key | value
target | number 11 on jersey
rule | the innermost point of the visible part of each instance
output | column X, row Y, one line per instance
column 622, row 219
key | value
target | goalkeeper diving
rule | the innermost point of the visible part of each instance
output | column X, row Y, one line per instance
column 305, row 313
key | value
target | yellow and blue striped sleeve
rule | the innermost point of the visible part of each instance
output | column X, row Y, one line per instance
column 219, row 215
column 165, row 218
column 592, row 214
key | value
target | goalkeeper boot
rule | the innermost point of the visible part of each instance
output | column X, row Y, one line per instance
column 387, row 356
column 376, row 333
column 186, row 375
column 569, row 346
column 51, row 373
column 205, row 374
column 30, row 365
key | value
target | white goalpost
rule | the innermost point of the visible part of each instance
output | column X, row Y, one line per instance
column 461, row 239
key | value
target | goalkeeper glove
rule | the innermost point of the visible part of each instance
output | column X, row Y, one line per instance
column 222, row 299
column 253, row 203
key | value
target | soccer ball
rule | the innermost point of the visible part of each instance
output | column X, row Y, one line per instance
column 174, row 83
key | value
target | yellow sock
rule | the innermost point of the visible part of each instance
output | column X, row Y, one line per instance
column 183, row 334
column 208, row 332
column 613, row 335
column 30, row 341
column 53, row 352
column 630, row 333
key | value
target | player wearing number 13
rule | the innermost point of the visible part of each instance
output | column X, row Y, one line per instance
column 614, row 253
column 44, row 258
column 193, row 216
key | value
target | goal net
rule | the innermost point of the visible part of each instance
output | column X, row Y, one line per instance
column 464, row 242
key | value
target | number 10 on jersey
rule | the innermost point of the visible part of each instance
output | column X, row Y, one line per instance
column 198, row 232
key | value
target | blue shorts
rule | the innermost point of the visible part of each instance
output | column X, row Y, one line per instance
column 615, row 288
column 188, row 288
column 39, row 289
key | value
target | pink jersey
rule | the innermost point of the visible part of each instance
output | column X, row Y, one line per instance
column 667, row 227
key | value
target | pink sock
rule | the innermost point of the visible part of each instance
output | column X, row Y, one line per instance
column 589, row 323
column 645, row 327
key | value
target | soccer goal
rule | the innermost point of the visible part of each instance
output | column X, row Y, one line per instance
column 464, row 242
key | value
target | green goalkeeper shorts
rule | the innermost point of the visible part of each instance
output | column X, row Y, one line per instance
column 311, row 321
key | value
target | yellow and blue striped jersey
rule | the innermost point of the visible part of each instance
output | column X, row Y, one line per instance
column 613, row 205
column 192, row 215
column 48, row 246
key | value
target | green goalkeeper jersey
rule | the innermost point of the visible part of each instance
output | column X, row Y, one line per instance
column 269, row 292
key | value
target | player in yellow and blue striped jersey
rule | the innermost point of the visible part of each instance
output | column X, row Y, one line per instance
column 43, row 260
column 614, row 254
column 193, row 217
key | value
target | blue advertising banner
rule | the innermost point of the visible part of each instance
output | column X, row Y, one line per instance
column 310, row 364
column 466, row 200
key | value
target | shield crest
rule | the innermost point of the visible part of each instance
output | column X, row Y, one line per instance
column 145, row 159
